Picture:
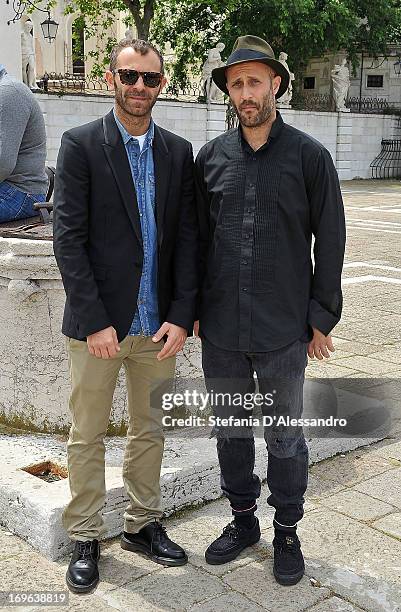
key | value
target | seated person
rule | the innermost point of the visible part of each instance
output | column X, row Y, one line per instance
column 23, row 180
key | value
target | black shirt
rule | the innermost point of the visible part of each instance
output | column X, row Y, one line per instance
column 257, row 212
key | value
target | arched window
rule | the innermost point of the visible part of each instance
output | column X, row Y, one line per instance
column 78, row 46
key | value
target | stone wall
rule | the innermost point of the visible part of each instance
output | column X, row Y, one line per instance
column 191, row 120
column 353, row 139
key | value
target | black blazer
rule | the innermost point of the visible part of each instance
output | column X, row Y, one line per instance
column 97, row 230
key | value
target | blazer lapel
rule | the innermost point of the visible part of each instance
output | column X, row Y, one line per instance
column 117, row 157
column 162, row 165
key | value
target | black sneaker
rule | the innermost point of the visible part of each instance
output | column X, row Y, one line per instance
column 289, row 566
column 232, row 541
column 153, row 541
column 82, row 573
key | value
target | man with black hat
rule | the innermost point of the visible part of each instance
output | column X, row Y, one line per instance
column 264, row 189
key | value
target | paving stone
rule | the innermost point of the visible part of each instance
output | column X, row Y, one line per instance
column 337, row 541
column 195, row 546
column 352, row 468
column 366, row 364
column 386, row 487
column 231, row 601
column 174, row 588
column 339, row 354
column 354, row 347
column 389, row 450
column 118, row 566
column 334, row 604
column 357, row 505
column 325, row 369
column 320, row 487
column 364, row 590
column 392, row 355
column 257, row 582
column 390, row 524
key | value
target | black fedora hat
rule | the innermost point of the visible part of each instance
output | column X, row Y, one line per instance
column 252, row 49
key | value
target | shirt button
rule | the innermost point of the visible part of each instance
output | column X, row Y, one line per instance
column 244, row 262
column 249, row 210
column 244, row 289
column 248, row 236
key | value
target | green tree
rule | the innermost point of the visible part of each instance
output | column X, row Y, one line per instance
column 302, row 28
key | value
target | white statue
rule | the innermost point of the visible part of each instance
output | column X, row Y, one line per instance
column 287, row 96
column 212, row 92
column 129, row 35
column 28, row 55
column 341, row 83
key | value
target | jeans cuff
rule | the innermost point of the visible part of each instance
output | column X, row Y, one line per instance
column 247, row 511
column 285, row 527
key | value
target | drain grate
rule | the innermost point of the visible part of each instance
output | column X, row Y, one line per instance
column 47, row 470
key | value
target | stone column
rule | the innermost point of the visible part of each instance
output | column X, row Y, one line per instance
column 344, row 153
column 216, row 120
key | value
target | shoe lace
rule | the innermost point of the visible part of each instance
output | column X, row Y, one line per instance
column 85, row 549
column 231, row 531
column 160, row 530
column 288, row 544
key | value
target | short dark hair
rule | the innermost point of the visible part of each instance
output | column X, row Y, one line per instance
column 141, row 46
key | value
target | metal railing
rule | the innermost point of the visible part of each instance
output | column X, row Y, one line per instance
column 387, row 164
column 372, row 105
column 65, row 84
column 313, row 102
column 325, row 103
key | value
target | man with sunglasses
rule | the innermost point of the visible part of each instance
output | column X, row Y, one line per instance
column 125, row 239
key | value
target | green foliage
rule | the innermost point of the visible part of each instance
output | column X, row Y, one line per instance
column 301, row 28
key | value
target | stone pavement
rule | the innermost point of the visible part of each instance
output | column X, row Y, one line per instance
column 351, row 532
column 351, row 535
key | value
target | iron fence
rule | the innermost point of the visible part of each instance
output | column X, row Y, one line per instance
column 312, row 102
column 326, row 103
column 63, row 84
column 387, row 164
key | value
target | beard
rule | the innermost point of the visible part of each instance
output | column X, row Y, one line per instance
column 122, row 100
column 264, row 110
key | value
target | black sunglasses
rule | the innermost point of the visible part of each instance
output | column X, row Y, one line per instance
column 130, row 77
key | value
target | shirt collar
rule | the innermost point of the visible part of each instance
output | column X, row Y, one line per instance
column 126, row 136
column 275, row 131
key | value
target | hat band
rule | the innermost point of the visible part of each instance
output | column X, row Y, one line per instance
column 241, row 55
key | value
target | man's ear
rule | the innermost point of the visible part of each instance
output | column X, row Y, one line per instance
column 276, row 84
column 163, row 83
column 109, row 76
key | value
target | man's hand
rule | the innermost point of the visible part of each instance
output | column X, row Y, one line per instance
column 176, row 339
column 320, row 345
column 103, row 344
column 196, row 329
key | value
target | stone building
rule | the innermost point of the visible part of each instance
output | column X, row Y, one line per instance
column 68, row 53
column 375, row 78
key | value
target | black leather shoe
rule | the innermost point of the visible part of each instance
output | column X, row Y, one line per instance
column 82, row 574
column 232, row 541
column 153, row 541
column 289, row 566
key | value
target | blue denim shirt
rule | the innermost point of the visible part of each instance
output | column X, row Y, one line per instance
column 146, row 319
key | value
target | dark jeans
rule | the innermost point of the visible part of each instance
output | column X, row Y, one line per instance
column 283, row 371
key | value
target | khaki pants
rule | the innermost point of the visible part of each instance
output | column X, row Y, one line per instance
column 93, row 383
